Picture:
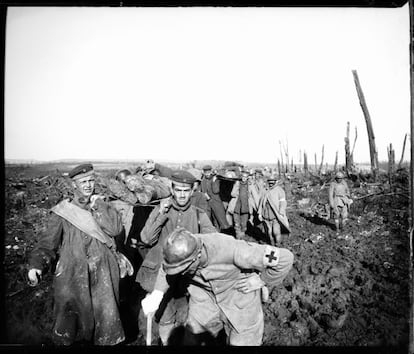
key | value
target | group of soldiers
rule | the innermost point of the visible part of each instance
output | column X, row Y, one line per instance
column 198, row 274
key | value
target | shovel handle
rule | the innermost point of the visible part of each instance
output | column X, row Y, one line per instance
column 149, row 329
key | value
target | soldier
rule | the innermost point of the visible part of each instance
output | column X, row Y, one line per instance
column 210, row 186
column 176, row 211
column 222, row 294
column 339, row 200
column 241, row 205
column 86, row 282
column 272, row 211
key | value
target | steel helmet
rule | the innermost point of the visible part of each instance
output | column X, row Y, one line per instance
column 180, row 250
column 339, row 174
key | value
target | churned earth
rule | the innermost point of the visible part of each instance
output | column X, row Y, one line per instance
column 345, row 289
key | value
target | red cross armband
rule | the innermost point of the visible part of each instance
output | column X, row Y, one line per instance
column 271, row 256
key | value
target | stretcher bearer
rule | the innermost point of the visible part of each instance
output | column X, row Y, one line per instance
column 225, row 289
column 80, row 235
column 171, row 214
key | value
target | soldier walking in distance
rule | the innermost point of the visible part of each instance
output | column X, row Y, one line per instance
column 339, row 200
column 272, row 211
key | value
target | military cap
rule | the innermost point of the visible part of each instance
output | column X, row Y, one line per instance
column 245, row 172
column 182, row 176
column 207, row 168
column 339, row 175
column 272, row 178
column 259, row 171
column 81, row 171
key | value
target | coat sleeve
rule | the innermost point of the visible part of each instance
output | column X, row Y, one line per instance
column 235, row 189
column 282, row 201
column 215, row 186
column 161, row 282
column 152, row 229
column 206, row 226
column 45, row 251
column 108, row 218
column 274, row 263
column 331, row 195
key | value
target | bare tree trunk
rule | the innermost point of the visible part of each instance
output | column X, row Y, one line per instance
column 291, row 164
column 316, row 163
column 336, row 162
column 402, row 154
column 371, row 137
column 281, row 155
column 353, row 146
column 278, row 167
column 348, row 156
column 323, row 154
column 305, row 163
column 391, row 161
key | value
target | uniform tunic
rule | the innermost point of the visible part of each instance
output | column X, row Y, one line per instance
column 86, row 282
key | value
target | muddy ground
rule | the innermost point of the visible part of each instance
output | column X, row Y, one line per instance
column 349, row 288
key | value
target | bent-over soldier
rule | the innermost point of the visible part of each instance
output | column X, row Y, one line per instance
column 219, row 269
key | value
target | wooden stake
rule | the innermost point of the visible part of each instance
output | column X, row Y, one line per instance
column 371, row 137
column 402, row 154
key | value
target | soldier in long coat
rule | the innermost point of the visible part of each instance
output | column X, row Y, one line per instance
column 220, row 269
column 272, row 211
column 339, row 200
column 80, row 235
column 210, row 186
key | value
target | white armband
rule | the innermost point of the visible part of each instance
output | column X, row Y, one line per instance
column 271, row 256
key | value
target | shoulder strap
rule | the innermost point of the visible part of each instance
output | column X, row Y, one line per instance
column 198, row 220
column 83, row 220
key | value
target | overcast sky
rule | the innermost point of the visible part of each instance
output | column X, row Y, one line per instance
column 203, row 83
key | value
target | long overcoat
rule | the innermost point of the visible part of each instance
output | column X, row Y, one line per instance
column 86, row 279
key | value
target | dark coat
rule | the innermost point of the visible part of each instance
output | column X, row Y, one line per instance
column 155, row 233
column 86, row 281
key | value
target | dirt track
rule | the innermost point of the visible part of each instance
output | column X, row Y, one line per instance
column 344, row 289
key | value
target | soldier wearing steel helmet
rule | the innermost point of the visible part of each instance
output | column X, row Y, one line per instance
column 174, row 212
column 225, row 290
column 339, row 200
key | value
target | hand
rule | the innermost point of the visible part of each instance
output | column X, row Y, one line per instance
column 260, row 217
column 34, row 275
column 214, row 178
column 151, row 302
column 252, row 283
column 134, row 243
column 125, row 266
column 165, row 206
column 251, row 219
column 94, row 198
column 207, row 196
